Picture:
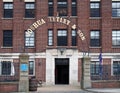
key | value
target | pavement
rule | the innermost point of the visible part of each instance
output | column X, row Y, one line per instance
column 73, row 89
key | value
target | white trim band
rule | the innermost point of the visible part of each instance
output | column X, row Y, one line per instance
column 94, row 0
column 29, row 0
column 7, row 0
column 115, row 0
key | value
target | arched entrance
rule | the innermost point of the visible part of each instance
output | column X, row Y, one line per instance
column 56, row 57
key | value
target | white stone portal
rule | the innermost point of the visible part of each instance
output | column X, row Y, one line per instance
column 72, row 54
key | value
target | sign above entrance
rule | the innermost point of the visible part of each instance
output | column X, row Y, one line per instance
column 67, row 22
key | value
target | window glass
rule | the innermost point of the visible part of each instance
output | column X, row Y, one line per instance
column 94, row 9
column 115, row 9
column 50, row 37
column 116, row 67
column 94, row 68
column 95, row 38
column 116, row 37
column 62, row 38
column 7, row 38
column 29, row 10
column 29, row 40
column 62, row 7
column 8, row 10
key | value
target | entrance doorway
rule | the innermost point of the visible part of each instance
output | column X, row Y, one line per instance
column 61, row 71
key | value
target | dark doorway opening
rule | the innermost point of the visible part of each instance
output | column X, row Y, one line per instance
column 61, row 71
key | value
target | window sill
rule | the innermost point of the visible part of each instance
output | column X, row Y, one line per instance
column 57, row 47
column 94, row 17
column 29, row 47
column 73, row 16
column 115, row 17
column 5, row 47
column 115, row 46
column 7, row 18
column 94, row 47
column 28, row 18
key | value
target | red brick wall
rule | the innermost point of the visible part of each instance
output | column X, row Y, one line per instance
column 40, row 70
column 8, row 87
column 18, row 24
column 106, row 84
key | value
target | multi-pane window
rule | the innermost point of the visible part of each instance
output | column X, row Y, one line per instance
column 29, row 39
column 95, row 38
column 7, row 38
column 50, row 37
column 31, row 67
column 62, row 7
column 62, row 38
column 94, row 68
column 116, row 67
column 115, row 9
column 74, row 38
column 74, row 8
column 50, row 8
column 29, row 10
column 7, row 68
column 94, row 9
column 116, row 37
column 8, row 10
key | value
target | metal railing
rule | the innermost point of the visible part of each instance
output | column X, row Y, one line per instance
column 106, row 74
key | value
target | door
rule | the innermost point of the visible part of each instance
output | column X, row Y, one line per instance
column 61, row 71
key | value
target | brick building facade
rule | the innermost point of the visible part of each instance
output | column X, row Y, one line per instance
column 61, row 33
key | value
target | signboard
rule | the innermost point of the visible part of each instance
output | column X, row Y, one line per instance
column 24, row 67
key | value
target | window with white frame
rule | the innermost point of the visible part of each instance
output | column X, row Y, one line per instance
column 7, row 38
column 116, row 67
column 94, row 68
column 29, row 10
column 31, row 67
column 50, row 37
column 116, row 37
column 50, row 8
column 116, row 9
column 95, row 38
column 62, row 7
column 62, row 38
column 8, row 10
column 29, row 39
column 74, row 8
column 74, row 37
column 95, row 9
column 7, row 68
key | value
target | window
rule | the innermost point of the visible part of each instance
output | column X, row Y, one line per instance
column 95, row 38
column 31, row 67
column 116, row 67
column 115, row 9
column 74, row 38
column 50, row 8
column 50, row 37
column 29, row 39
column 29, row 10
column 62, row 38
column 94, row 9
column 7, row 38
column 116, row 37
column 94, row 68
column 74, row 8
column 62, row 7
column 7, row 68
column 8, row 10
